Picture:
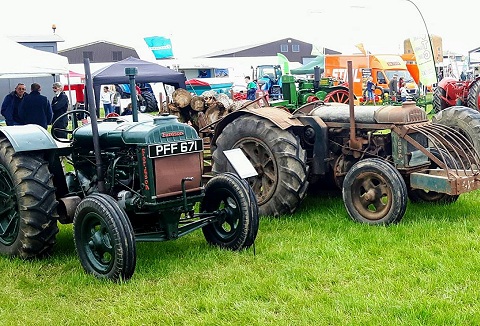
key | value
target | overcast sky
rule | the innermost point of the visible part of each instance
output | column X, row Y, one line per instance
column 199, row 27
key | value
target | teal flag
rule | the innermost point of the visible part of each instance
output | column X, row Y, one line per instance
column 160, row 46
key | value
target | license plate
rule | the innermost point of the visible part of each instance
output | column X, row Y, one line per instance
column 181, row 147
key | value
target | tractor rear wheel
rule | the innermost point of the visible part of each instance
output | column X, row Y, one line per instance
column 473, row 98
column 28, row 226
column 237, row 224
column 439, row 103
column 465, row 120
column 104, row 238
column 374, row 192
column 277, row 156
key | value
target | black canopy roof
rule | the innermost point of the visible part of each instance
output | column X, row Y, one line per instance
column 148, row 72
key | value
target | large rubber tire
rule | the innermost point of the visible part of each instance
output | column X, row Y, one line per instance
column 28, row 224
column 374, row 192
column 464, row 119
column 104, row 238
column 150, row 101
column 253, row 204
column 237, row 226
column 422, row 196
column 473, row 97
column 276, row 154
column 439, row 104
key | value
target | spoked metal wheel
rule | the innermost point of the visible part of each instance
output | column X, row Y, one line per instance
column 337, row 96
column 374, row 192
column 104, row 238
column 236, row 225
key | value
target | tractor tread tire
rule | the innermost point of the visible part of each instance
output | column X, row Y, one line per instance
column 438, row 103
column 290, row 180
column 464, row 119
column 473, row 94
column 36, row 215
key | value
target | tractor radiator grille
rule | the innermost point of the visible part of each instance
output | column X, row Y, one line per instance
column 170, row 170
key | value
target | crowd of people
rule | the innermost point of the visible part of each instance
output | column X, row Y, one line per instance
column 20, row 107
column 397, row 90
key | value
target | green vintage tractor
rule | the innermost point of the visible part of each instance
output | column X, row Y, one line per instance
column 288, row 91
column 130, row 181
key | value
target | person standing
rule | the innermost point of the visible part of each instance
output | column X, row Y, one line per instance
column 59, row 107
column 370, row 88
column 10, row 105
column 35, row 108
column 403, row 93
column 393, row 86
column 401, row 83
column 251, row 88
column 116, row 101
column 106, row 99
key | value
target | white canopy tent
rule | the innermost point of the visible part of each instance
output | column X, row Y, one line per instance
column 17, row 60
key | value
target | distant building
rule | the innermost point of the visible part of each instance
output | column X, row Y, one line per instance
column 99, row 52
column 295, row 50
column 47, row 43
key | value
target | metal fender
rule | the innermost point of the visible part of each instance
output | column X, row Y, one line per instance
column 280, row 117
column 28, row 138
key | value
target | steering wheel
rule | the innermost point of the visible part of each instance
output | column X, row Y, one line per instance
column 75, row 120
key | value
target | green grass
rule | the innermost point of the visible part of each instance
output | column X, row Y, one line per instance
column 315, row 267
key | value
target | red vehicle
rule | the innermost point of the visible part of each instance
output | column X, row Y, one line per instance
column 451, row 92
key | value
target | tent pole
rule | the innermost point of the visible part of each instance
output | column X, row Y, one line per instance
column 69, row 91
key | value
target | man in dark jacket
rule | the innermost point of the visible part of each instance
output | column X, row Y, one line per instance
column 59, row 107
column 10, row 105
column 35, row 108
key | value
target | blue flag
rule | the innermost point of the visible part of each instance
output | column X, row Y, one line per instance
column 160, row 46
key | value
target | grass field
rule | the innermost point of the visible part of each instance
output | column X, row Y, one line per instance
column 316, row 267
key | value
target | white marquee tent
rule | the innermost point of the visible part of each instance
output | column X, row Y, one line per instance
column 17, row 60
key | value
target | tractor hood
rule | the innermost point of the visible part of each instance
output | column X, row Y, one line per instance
column 161, row 129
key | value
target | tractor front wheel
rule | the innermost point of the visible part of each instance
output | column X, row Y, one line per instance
column 104, row 238
column 28, row 226
column 237, row 221
column 374, row 192
column 420, row 195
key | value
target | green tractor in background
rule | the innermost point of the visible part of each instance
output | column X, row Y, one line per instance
column 286, row 90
